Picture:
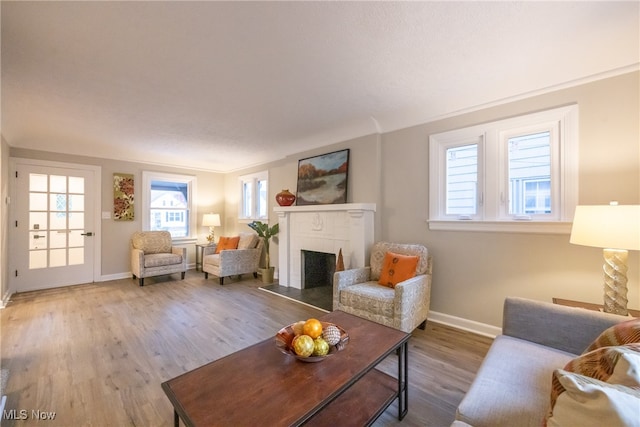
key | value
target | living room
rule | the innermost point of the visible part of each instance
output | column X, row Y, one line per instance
column 474, row 271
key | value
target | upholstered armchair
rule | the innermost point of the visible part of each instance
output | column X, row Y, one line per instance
column 152, row 254
column 405, row 306
column 231, row 262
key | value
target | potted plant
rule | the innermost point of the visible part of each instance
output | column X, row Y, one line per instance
column 265, row 233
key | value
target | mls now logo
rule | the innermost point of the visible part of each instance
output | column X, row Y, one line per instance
column 23, row 414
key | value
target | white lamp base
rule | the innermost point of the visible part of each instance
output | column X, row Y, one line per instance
column 615, row 281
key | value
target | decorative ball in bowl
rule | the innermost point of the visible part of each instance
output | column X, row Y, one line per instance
column 311, row 340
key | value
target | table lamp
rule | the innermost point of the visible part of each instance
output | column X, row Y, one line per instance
column 616, row 229
column 211, row 220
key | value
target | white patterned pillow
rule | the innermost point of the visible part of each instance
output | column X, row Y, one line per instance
column 590, row 402
column 603, row 384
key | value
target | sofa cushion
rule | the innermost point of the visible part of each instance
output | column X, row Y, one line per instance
column 248, row 240
column 513, row 383
column 622, row 333
column 369, row 297
column 603, row 384
column 160, row 260
column 397, row 268
column 152, row 242
column 227, row 243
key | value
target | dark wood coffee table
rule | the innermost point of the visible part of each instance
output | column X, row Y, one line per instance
column 262, row 386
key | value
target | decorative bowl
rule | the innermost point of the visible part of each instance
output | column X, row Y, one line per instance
column 285, row 336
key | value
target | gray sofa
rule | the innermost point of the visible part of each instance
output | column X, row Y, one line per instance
column 513, row 385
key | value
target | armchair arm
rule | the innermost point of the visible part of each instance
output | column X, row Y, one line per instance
column 343, row 279
column 209, row 250
column 411, row 302
column 137, row 262
column 239, row 261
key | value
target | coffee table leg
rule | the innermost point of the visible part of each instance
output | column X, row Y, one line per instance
column 403, row 380
column 176, row 419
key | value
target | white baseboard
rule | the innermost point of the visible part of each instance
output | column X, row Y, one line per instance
column 117, row 276
column 465, row 324
column 5, row 300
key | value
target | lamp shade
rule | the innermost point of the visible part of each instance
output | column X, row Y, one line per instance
column 607, row 226
column 211, row 220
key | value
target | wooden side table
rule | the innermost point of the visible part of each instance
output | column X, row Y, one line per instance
column 589, row 306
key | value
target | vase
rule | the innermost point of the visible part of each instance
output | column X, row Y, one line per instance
column 267, row 274
column 285, row 198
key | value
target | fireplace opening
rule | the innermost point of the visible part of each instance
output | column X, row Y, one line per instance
column 317, row 269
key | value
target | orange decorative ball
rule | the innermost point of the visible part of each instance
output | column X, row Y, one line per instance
column 313, row 328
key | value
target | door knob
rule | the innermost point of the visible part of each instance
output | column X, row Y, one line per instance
column 87, row 234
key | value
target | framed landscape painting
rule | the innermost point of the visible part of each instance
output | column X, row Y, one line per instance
column 322, row 180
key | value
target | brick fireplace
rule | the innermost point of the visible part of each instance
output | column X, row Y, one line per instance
column 323, row 228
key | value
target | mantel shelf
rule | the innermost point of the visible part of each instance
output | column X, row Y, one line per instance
column 327, row 208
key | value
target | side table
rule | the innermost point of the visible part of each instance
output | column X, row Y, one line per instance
column 589, row 306
column 199, row 252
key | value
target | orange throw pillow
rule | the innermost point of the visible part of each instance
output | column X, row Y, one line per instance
column 623, row 333
column 397, row 268
column 227, row 243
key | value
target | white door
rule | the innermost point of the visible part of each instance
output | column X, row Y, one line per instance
column 52, row 227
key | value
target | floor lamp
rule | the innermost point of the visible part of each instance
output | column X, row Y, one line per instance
column 616, row 229
column 211, row 220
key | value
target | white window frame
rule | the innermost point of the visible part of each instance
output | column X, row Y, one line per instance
column 190, row 180
column 253, row 178
column 493, row 186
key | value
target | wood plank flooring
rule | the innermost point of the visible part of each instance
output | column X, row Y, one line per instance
column 96, row 354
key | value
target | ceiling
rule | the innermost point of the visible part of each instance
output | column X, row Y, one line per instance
column 221, row 86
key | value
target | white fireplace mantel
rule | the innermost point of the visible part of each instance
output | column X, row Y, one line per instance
column 324, row 228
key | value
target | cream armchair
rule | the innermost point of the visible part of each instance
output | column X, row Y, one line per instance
column 232, row 262
column 152, row 254
column 404, row 307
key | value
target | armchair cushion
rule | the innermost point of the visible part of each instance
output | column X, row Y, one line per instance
column 369, row 297
column 397, row 268
column 159, row 260
column 227, row 243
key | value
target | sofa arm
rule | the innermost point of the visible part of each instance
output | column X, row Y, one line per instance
column 564, row 328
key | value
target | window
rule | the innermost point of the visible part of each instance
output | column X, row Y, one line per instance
column 168, row 203
column 517, row 174
column 253, row 196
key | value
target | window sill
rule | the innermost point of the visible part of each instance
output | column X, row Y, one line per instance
column 534, row 227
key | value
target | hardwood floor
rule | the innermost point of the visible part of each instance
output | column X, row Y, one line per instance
column 96, row 354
